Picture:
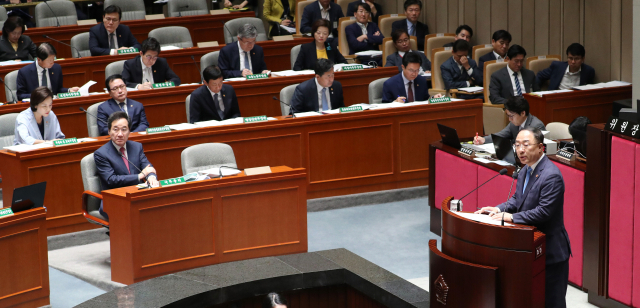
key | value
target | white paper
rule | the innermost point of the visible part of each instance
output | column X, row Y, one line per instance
column 289, row 29
column 471, row 89
column 544, row 132
column 502, row 163
column 183, row 126
column 236, row 79
column 215, row 172
column 307, row 114
column 588, row 87
column 238, row 120
column 481, row 218
column 86, row 139
column 482, row 160
column 84, row 90
column 543, row 93
column 27, row 147
column 615, row 83
column 189, row 84
column 387, row 105
column 425, row 74
column 207, row 123
column 169, row 47
column 338, row 67
column 292, row 73
column 13, row 62
column 369, row 53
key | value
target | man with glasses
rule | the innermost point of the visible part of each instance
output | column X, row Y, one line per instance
column 109, row 36
column 517, row 110
column 539, row 201
column 513, row 80
column 243, row 58
column 146, row 69
column 569, row 74
column 119, row 102
column 408, row 86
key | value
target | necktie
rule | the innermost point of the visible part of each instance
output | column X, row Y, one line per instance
column 325, row 103
column 412, row 30
column 410, row 93
column 526, row 179
column 126, row 163
column 246, row 61
column 112, row 41
column 122, row 107
column 220, row 104
column 518, row 89
column 44, row 78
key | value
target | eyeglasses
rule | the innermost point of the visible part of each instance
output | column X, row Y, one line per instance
column 120, row 87
column 402, row 41
column 412, row 71
column 151, row 58
column 110, row 20
column 525, row 145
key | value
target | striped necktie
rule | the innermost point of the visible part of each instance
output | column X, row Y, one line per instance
column 518, row 89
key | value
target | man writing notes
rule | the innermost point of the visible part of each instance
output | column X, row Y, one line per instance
column 43, row 72
column 119, row 102
column 213, row 100
column 517, row 110
column 539, row 201
column 322, row 9
column 320, row 93
column 244, row 57
column 109, row 36
column 363, row 35
column 412, row 9
column 407, row 86
column 147, row 68
column 566, row 75
column 500, row 42
column 513, row 80
column 460, row 71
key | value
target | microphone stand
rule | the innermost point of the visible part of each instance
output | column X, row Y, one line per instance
column 87, row 112
column 15, row 100
column 198, row 68
column 63, row 43
column 54, row 13
column 292, row 110
column 132, row 164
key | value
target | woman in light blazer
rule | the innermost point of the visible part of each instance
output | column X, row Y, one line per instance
column 280, row 12
column 38, row 123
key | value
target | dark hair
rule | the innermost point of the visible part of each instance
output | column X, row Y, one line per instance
column 574, row 49
column 323, row 66
column 517, row 104
column 11, row 24
column 117, row 116
column 45, row 50
column 38, row 95
column 464, row 27
column 211, row 72
column 409, row 3
column 395, row 35
column 107, row 82
column 273, row 299
column 537, row 133
column 516, row 50
column 150, row 44
column 112, row 9
column 411, row 57
column 320, row 23
column 461, row 45
column 365, row 6
column 501, row 35
column 578, row 127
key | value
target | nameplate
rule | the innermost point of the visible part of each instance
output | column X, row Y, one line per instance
column 160, row 85
column 87, row 22
column 448, row 48
column 154, row 16
column 208, row 44
column 542, row 57
column 352, row 18
column 440, row 35
column 465, row 151
column 257, row 76
column 261, row 118
column 257, row 170
column 174, row 181
column 488, row 45
column 65, row 141
column 161, row 129
column 564, row 155
column 350, row 109
column 620, row 126
column 353, row 67
column 68, row 95
column 499, row 60
column 127, row 51
column 281, row 38
column 393, row 15
column 219, row 12
column 6, row 212
column 444, row 99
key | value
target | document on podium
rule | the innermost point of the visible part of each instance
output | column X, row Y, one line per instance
column 481, row 218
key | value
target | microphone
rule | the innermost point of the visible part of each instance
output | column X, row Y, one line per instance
column 291, row 109
column 220, row 169
column 54, row 14
column 514, row 176
column 63, row 43
column 458, row 203
column 198, row 68
column 87, row 112
column 15, row 100
column 132, row 164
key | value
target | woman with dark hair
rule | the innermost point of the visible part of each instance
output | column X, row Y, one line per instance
column 319, row 48
column 402, row 42
column 274, row 300
column 38, row 124
column 14, row 45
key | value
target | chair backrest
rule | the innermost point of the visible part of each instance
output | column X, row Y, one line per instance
column 131, row 9
column 11, row 81
column 172, row 36
column 231, row 29
column 436, row 40
column 92, row 122
column 177, row 8
column 344, row 5
column 294, row 54
column 114, row 68
column 51, row 13
column 343, row 45
column 209, row 59
column 389, row 48
column 439, row 55
column 7, row 129
column 538, row 63
column 3, row 16
column 80, row 42
column 187, row 102
column 206, row 156
column 299, row 10
column 90, row 182
column 480, row 50
column 375, row 90
column 385, row 22
column 558, row 130
column 490, row 67
column 286, row 94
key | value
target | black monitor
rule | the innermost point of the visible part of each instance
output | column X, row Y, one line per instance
column 28, row 197
column 449, row 136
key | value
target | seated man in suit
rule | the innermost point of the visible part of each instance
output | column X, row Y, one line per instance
column 42, row 72
column 513, row 80
column 402, row 42
column 408, row 86
column 244, row 57
column 320, row 93
column 566, row 75
column 500, row 42
column 119, row 102
column 115, row 158
column 324, row 9
column 146, row 69
column 213, row 100
column 109, row 36
column 460, row 71
column 463, row 32
column 412, row 9
column 363, row 35
column 517, row 110
column 376, row 9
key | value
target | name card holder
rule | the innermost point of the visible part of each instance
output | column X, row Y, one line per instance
column 219, row 12
column 161, row 129
column 208, row 44
column 444, row 99
column 350, row 109
column 283, row 38
column 257, row 76
column 465, row 152
column 160, row 85
column 127, row 51
column 67, row 141
column 87, row 22
column 6, row 212
column 154, row 16
column 68, row 95
column 261, row 118
column 353, row 67
column 257, row 170
column 174, row 181
column 626, row 128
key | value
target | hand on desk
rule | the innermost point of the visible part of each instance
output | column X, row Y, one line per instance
column 508, row 217
column 438, row 95
column 400, row 99
column 478, row 140
column 153, row 181
column 490, row 209
column 246, row 72
column 145, row 86
column 74, row 89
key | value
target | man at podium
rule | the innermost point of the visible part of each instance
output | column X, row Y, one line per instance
column 539, row 201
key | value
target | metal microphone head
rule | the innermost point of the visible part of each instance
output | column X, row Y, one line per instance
column 82, row 109
column 275, row 98
column 503, row 171
column 192, row 58
column 45, row 36
column 515, row 174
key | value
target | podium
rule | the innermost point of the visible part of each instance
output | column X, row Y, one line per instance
column 484, row 265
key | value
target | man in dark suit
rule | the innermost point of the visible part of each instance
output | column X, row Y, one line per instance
column 363, row 35
column 408, row 86
column 463, row 32
column 213, row 100
column 146, row 69
column 109, row 36
column 412, row 9
column 500, row 42
column 244, row 57
column 376, row 9
column 42, row 72
column 320, row 93
column 517, row 110
column 323, row 9
column 460, row 71
column 566, row 75
column 113, row 160
column 402, row 42
column 513, row 80
column 539, row 201
column 119, row 102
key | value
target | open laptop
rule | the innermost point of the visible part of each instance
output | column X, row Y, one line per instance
column 28, row 197
column 450, row 137
column 504, row 149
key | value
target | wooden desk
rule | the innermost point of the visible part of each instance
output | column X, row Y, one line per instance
column 24, row 281
column 597, row 104
column 343, row 153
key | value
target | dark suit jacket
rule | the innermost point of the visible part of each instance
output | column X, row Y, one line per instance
column 312, row 13
column 308, row 57
column 202, row 108
column 132, row 72
column 373, row 42
column 26, row 49
column 501, row 88
column 394, row 87
column 555, row 73
column 99, row 40
column 229, row 60
column 488, row 57
column 353, row 8
column 454, row 77
column 395, row 59
column 511, row 131
column 27, row 80
column 542, row 205
column 137, row 116
column 112, row 171
column 305, row 97
column 421, row 30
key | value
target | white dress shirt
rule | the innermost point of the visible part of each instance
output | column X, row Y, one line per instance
column 521, row 127
column 40, row 72
column 327, row 93
column 513, row 82
column 498, row 57
column 533, row 167
column 147, row 73
column 570, row 80
column 242, row 57
column 115, row 39
column 406, row 87
column 469, row 72
column 363, row 27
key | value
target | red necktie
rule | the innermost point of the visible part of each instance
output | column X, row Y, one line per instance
column 126, row 163
column 410, row 94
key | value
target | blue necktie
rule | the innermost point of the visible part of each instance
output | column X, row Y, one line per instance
column 412, row 30
column 122, row 106
column 217, row 103
column 325, row 104
column 517, row 84
column 526, row 179
column 246, row 61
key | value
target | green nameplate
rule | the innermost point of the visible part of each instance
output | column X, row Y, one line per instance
column 353, row 67
column 6, row 212
column 69, row 95
column 65, row 142
column 257, row 76
column 160, row 85
column 255, row 119
column 161, row 129
column 174, row 181
column 350, row 109
column 444, row 99
column 128, row 50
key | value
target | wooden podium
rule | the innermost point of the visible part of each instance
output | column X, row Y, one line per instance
column 484, row 265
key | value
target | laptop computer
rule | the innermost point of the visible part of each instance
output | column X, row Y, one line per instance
column 28, row 197
column 504, row 149
column 449, row 136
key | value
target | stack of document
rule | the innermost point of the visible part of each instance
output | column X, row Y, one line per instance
column 291, row 30
column 183, row 126
column 292, row 73
column 481, row 218
column 543, row 93
column 487, row 147
column 28, row 147
column 472, row 89
column 217, row 172
column 307, row 114
column 169, row 47
column 610, row 84
column 84, row 90
column 369, row 53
